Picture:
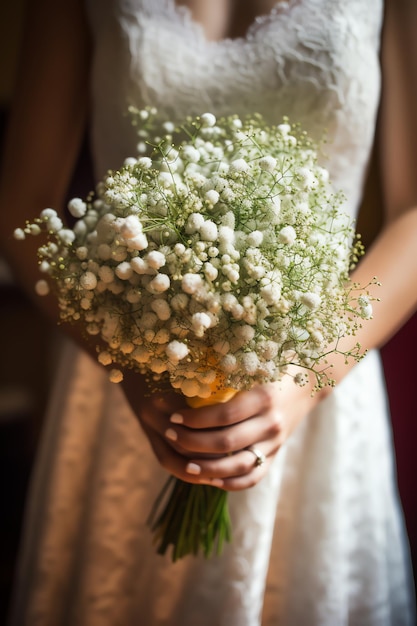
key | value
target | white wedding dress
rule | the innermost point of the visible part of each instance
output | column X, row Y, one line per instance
column 320, row 541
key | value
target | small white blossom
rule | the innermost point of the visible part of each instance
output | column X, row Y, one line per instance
column 208, row 231
column 145, row 163
column 200, row 322
column 42, row 288
column 268, row 163
column 250, row 362
column 155, row 259
column 139, row 242
column 311, row 300
column 229, row 363
column 238, row 166
column 176, row 351
column 191, row 154
column 19, row 234
column 77, row 207
column 212, row 196
column 88, row 280
column 191, row 283
column 194, row 223
column 255, row 238
column 116, row 376
column 159, row 284
column 124, row 270
column 287, row 235
column 208, row 120
column 161, row 308
column 104, row 357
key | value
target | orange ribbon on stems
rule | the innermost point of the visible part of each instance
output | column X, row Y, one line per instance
column 194, row 518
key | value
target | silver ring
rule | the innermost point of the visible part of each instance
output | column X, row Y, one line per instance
column 260, row 457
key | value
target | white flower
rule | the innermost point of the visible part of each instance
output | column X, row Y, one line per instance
column 208, row 231
column 158, row 366
column 106, row 274
column 116, row 376
column 212, row 196
column 176, row 351
column 55, row 224
column 131, row 227
column 226, row 235
column 88, row 281
column 271, row 293
column 191, row 154
column 287, row 235
column 366, row 311
column 210, row 271
column 141, row 355
column 238, row 166
column 124, row 270
column 311, row 300
column 161, row 308
column 194, row 223
column 42, row 288
column 191, row 283
column 267, row 163
column 229, row 363
column 104, row 357
column 284, row 128
column 208, row 120
column 145, row 163
column 130, row 162
column 159, row 284
column 250, row 363
column 77, row 207
column 365, row 307
column 255, row 238
column 48, row 214
column 155, row 259
column 140, row 266
column 179, row 302
column 19, row 234
column 200, row 322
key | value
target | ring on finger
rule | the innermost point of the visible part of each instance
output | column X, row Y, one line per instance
column 260, row 457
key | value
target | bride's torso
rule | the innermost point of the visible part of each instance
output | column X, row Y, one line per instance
column 316, row 61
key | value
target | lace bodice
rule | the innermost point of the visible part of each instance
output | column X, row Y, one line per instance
column 313, row 60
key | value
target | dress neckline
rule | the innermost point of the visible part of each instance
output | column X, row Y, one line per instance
column 184, row 14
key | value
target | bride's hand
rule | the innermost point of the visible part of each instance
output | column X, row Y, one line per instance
column 210, row 445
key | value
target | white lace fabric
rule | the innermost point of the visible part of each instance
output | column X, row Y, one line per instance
column 320, row 541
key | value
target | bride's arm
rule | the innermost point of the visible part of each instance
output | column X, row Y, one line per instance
column 265, row 418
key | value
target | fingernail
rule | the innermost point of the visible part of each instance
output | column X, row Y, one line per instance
column 214, row 482
column 193, row 468
column 171, row 434
column 176, row 418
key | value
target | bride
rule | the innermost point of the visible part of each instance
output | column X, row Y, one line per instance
column 318, row 533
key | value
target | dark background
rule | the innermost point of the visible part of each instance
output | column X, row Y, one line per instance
column 26, row 342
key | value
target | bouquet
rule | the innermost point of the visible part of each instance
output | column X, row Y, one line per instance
column 215, row 258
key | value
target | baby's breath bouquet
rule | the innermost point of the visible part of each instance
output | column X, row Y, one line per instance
column 215, row 258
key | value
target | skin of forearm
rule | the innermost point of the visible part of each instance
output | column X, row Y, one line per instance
column 392, row 261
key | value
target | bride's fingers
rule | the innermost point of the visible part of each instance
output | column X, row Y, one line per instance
column 227, row 440
column 240, row 471
column 231, row 475
column 238, row 464
column 242, row 406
